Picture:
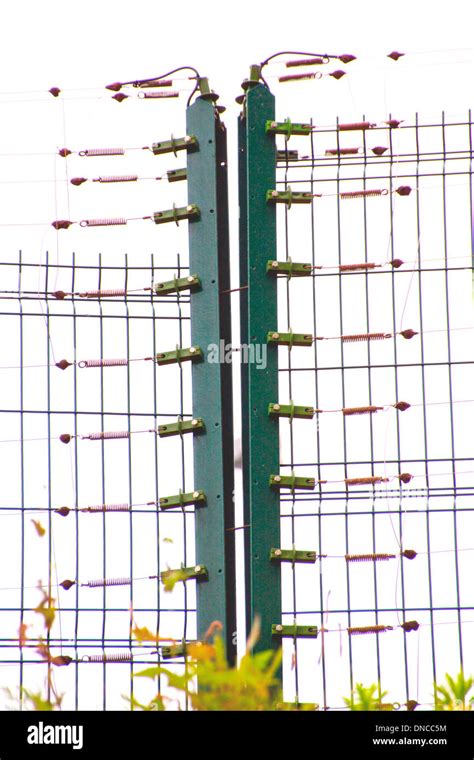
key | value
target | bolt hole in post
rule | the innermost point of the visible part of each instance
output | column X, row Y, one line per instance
column 211, row 210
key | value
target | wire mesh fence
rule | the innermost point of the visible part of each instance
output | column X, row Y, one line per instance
column 364, row 371
column 85, row 463
column 98, row 500
column 374, row 268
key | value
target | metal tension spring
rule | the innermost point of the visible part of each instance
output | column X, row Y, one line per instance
column 64, row 511
column 407, row 553
column 67, row 438
column 99, row 658
column 103, row 363
column 108, row 582
column 102, row 152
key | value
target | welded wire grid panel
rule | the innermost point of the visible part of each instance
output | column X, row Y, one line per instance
column 83, row 397
column 381, row 365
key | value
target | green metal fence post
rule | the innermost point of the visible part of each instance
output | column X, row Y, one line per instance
column 257, row 162
column 212, row 380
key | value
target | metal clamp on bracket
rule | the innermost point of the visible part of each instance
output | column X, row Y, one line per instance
column 180, row 355
column 290, row 268
column 292, row 481
column 175, row 650
column 198, row 498
column 188, row 143
column 287, row 128
column 197, row 572
column 181, row 427
column 287, row 155
column 177, row 215
column 177, row 284
column 295, row 631
column 288, row 196
column 176, row 175
column 291, row 411
column 292, row 555
column 289, row 339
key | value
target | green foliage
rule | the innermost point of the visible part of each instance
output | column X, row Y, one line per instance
column 37, row 701
column 365, row 697
column 171, row 577
column 250, row 685
column 453, row 694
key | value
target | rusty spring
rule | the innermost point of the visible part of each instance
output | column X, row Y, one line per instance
column 102, row 152
column 362, row 194
column 118, row 178
column 361, row 629
column 360, row 409
column 295, row 77
column 365, row 481
column 108, row 582
column 355, row 126
column 368, row 557
column 378, row 557
column 105, row 436
column 156, row 83
column 158, row 95
column 119, row 657
column 103, row 293
column 103, row 363
column 365, row 336
column 343, row 151
column 103, row 222
column 107, row 508
column 307, row 62
column 355, row 267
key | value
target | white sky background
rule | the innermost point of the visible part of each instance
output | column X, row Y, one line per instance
column 78, row 45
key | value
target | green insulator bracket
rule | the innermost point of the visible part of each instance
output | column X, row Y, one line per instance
column 292, row 555
column 289, row 339
column 196, row 498
column 192, row 354
column 287, row 155
column 295, row 631
column 177, row 215
column 288, row 197
column 195, row 573
column 205, row 91
column 292, row 481
column 188, row 143
column 291, row 410
column 254, row 77
column 289, row 268
column 192, row 282
column 175, row 650
column 181, row 427
column 177, row 175
column 287, row 128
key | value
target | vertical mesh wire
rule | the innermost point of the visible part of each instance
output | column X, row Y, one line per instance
column 80, row 516
column 388, row 478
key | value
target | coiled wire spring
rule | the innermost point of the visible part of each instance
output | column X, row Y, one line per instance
column 100, row 583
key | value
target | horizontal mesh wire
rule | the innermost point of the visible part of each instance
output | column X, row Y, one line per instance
column 80, row 511
column 377, row 263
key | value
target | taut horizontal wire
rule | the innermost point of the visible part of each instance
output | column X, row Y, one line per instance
column 67, row 437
